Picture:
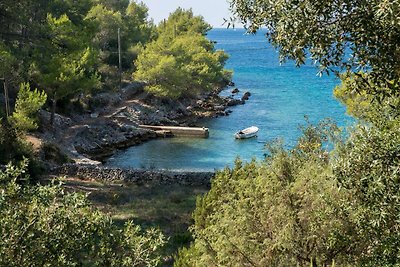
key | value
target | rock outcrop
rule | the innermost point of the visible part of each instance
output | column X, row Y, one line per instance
column 246, row 96
column 101, row 140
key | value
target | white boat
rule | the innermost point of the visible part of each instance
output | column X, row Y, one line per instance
column 247, row 133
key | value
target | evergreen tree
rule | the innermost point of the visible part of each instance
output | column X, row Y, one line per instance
column 181, row 62
column 27, row 105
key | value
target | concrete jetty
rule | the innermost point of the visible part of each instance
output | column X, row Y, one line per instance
column 180, row 131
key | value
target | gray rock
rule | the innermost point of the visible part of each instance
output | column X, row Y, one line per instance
column 219, row 108
column 234, row 102
column 235, row 91
column 246, row 96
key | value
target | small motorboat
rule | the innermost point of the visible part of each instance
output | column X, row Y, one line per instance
column 247, row 133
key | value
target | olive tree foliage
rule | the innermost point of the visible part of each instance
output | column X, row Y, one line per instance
column 363, row 105
column 348, row 35
column 286, row 211
column 45, row 226
column 367, row 166
column 181, row 62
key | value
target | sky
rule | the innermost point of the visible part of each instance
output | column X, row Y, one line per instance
column 213, row 11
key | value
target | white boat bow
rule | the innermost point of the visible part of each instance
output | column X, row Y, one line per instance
column 247, row 133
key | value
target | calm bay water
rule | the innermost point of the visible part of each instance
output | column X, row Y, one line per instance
column 281, row 96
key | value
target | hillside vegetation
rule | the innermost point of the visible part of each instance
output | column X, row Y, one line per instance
column 64, row 53
column 332, row 200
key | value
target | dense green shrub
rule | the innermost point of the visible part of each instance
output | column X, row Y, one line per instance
column 285, row 211
column 368, row 167
column 12, row 147
column 52, row 153
column 45, row 226
column 306, row 206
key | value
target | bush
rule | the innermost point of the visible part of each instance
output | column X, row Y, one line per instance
column 285, row 211
column 367, row 165
column 44, row 226
column 12, row 147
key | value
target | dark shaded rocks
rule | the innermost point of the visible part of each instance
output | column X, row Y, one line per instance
column 60, row 122
column 246, row 95
column 231, row 83
column 102, row 140
column 235, row 91
column 221, row 113
column 233, row 102
column 219, row 108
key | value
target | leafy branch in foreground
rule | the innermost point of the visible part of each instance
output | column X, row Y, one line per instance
column 345, row 34
column 367, row 166
column 45, row 226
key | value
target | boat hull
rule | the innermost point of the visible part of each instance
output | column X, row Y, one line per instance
column 247, row 133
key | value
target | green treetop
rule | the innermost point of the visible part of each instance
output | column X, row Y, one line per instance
column 181, row 62
column 183, row 21
column 68, row 66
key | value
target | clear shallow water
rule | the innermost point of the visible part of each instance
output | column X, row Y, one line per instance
column 281, row 96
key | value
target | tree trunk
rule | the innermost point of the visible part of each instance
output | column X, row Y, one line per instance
column 53, row 109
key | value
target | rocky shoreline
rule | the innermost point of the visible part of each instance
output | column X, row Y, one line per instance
column 113, row 121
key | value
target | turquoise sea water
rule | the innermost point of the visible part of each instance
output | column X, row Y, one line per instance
column 281, row 96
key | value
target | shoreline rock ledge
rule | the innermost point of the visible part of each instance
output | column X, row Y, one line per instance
column 138, row 176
